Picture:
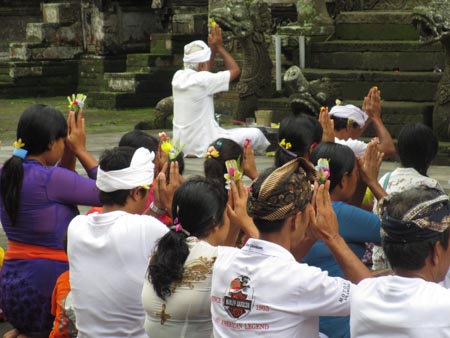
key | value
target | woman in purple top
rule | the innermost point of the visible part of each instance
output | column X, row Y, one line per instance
column 37, row 202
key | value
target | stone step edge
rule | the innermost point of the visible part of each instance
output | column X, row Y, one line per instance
column 373, row 45
column 349, row 73
column 374, row 17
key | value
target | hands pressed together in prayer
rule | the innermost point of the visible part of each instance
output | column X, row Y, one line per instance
column 372, row 104
column 75, row 144
column 369, row 168
column 327, row 124
column 215, row 40
column 237, row 212
column 165, row 184
column 248, row 162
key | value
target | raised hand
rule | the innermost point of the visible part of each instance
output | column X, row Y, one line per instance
column 237, row 210
column 324, row 224
column 164, row 188
column 327, row 124
column 248, row 162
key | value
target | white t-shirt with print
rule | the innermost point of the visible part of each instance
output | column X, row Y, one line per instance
column 399, row 307
column 262, row 291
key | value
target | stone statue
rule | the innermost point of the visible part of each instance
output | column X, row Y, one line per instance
column 313, row 13
column 249, row 22
column 433, row 24
column 163, row 113
column 307, row 97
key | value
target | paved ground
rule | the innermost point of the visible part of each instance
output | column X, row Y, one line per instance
column 97, row 143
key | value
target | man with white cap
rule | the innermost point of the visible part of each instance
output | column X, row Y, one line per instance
column 193, row 90
column 109, row 251
column 350, row 122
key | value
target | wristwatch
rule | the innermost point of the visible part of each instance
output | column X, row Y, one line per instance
column 157, row 210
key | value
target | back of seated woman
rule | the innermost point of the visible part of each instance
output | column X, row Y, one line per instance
column 417, row 147
column 356, row 226
column 297, row 137
column 176, row 293
column 38, row 200
column 222, row 150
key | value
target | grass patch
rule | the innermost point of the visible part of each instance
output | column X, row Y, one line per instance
column 97, row 120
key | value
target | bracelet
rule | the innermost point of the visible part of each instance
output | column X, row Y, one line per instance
column 157, row 210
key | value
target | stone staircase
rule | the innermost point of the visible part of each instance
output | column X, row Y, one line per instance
column 145, row 80
column 380, row 48
column 44, row 63
column 146, row 77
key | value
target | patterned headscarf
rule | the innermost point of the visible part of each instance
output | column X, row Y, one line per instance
column 286, row 191
column 424, row 221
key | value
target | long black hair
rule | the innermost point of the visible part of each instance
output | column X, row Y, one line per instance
column 301, row 132
column 39, row 125
column 215, row 166
column 340, row 158
column 198, row 205
column 417, row 147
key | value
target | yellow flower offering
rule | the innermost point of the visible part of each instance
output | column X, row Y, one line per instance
column 76, row 102
column 166, row 146
column 234, row 173
column 18, row 143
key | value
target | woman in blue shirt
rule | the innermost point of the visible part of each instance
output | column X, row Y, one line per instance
column 356, row 226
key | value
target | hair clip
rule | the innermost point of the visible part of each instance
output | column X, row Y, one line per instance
column 18, row 151
column 285, row 145
column 323, row 170
column 212, row 153
column 179, row 228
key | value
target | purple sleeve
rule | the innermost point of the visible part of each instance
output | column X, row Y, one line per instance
column 68, row 187
column 92, row 173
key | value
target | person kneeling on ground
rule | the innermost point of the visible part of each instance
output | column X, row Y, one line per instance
column 261, row 289
column 109, row 251
column 415, row 237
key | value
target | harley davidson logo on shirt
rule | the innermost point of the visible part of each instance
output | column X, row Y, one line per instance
column 239, row 300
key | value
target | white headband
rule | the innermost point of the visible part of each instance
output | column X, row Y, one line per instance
column 350, row 111
column 199, row 56
column 140, row 172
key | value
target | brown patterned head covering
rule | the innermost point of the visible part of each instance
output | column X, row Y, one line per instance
column 284, row 192
column 423, row 221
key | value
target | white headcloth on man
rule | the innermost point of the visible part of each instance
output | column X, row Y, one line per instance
column 199, row 56
column 139, row 173
column 350, row 111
